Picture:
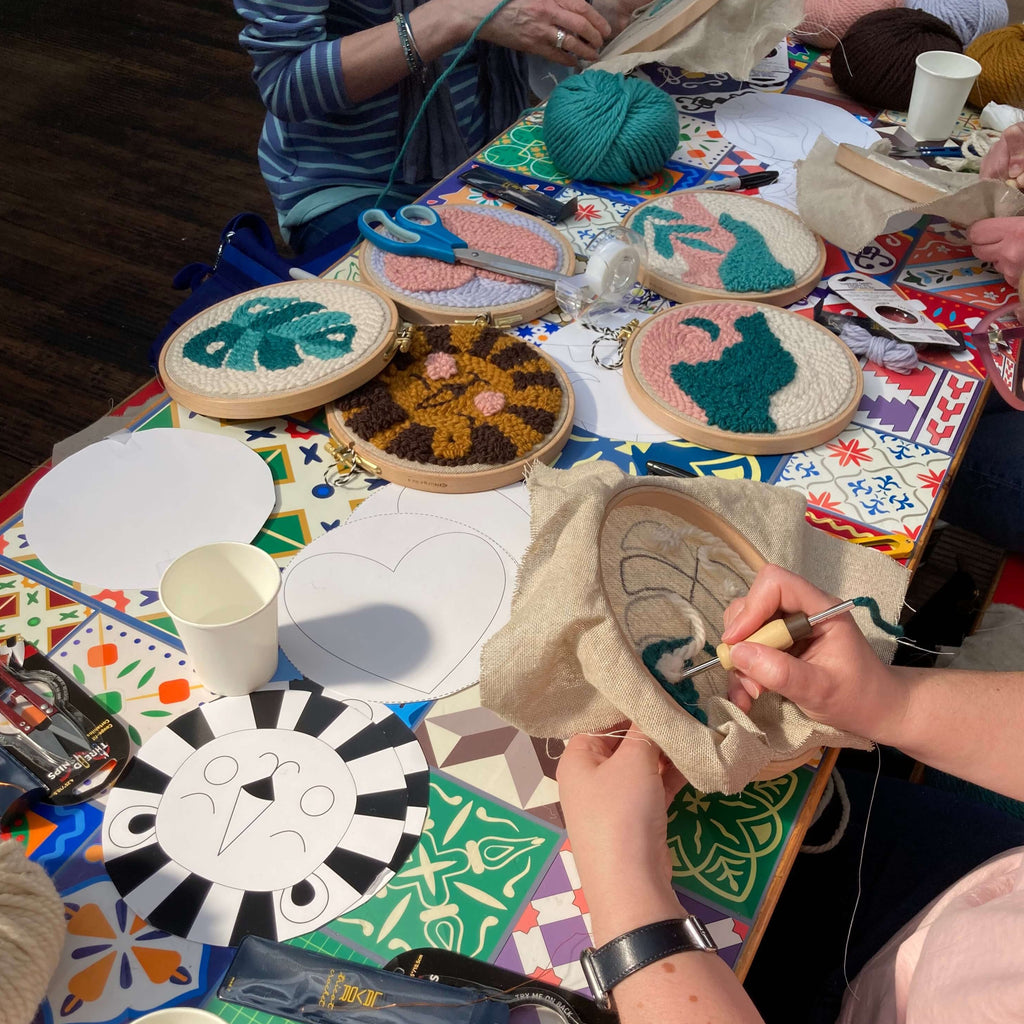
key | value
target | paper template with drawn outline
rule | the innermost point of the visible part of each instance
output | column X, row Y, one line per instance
column 781, row 129
column 395, row 607
column 502, row 514
column 267, row 814
column 603, row 405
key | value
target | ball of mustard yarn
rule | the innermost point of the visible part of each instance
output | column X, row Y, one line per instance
column 1001, row 56
column 607, row 128
column 874, row 61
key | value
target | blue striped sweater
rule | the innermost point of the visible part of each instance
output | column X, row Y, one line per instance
column 318, row 149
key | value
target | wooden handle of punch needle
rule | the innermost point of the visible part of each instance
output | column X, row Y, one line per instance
column 779, row 633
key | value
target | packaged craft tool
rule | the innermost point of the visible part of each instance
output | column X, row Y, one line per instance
column 55, row 729
column 515, row 990
column 522, row 198
column 306, row 986
column 895, row 314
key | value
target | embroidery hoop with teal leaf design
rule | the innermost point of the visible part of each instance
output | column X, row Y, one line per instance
column 781, row 442
column 680, row 290
column 327, row 306
column 665, row 499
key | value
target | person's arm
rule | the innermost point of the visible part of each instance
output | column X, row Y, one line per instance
column 1000, row 240
column 966, row 723
column 301, row 74
column 614, row 796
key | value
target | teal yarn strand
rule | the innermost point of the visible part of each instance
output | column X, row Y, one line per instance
column 607, row 128
column 430, row 95
column 876, row 615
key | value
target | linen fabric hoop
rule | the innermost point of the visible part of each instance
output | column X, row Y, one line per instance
column 279, row 349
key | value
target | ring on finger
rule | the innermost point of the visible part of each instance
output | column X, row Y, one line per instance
column 560, row 39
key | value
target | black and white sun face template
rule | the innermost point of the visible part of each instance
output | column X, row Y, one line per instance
column 269, row 814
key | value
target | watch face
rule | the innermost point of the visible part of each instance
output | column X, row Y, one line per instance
column 268, row 814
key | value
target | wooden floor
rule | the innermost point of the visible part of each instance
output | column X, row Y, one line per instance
column 128, row 134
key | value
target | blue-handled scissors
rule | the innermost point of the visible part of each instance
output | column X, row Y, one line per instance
column 417, row 231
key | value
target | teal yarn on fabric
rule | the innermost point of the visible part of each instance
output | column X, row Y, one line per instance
column 608, row 128
column 750, row 266
column 735, row 390
column 876, row 616
column 684, row 693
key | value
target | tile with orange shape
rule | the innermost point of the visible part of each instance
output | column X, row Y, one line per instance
column 143, row 681
column 114, row 966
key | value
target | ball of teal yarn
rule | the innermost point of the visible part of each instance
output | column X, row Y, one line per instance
column 604, row 127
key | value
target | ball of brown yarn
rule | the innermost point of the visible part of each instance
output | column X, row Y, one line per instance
column 827, row 21
column 1001, row 56
column 874, row 61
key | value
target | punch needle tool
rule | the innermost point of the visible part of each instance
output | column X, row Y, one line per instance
column 779, row 633
column 616, row 257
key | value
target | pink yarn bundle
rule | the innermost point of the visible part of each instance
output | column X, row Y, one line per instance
column 826, row 21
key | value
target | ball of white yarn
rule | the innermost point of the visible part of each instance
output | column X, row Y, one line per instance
column 893, row 355
column 31, row 934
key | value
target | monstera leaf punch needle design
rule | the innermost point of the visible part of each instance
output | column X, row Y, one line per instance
column 272, row 333
column 669, row 227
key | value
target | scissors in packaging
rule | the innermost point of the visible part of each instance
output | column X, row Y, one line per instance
column 615, row 259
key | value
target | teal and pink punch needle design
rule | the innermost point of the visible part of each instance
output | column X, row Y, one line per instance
column 718, row 365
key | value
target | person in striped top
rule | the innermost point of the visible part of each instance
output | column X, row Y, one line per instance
column 342, row 81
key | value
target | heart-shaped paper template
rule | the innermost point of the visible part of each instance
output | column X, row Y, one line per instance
column 394, row 607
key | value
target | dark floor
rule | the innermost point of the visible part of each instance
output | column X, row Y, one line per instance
column 128, row 135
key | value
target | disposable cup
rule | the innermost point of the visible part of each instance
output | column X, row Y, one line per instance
column 942, row 82
column 180, row 1015
column 223, row 601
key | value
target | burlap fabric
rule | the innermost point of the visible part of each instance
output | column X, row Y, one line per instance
column 729, row 39
column 849, row 211
column 562, row 665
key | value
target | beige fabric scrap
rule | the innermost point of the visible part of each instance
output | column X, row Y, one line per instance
column 851, row 212
column 730, row 39
column 561, row 665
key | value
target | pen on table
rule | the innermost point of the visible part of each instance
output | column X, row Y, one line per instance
column 741, row 181
column 664, row 469
column 903, row 153
column 779, row 633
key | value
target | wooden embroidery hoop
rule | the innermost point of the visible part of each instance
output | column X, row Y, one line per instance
column 726, row 440
column 508, row 314
column 675, row 504
column 652, row 32
column 681, row 291
column 351, row 452
column 292, row 400
column 890, row 178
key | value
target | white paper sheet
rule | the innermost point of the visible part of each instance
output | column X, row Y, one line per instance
column 780, row 129
column 117, row 513
column 603, row 405
column 395, row 607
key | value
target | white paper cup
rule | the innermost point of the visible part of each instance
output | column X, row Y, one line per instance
column 942, row 82
column 180, row 1015
column 223, row 600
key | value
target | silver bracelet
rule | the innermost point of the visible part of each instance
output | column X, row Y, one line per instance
column 409, row 48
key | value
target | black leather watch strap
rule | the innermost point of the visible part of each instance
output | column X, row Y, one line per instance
column 604, row 968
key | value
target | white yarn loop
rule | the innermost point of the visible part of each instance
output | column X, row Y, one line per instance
column 893, row 355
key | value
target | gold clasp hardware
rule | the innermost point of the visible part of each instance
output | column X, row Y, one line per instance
column 346, row 462
column 621, row 337
column 489, row 320
column 399, row 343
